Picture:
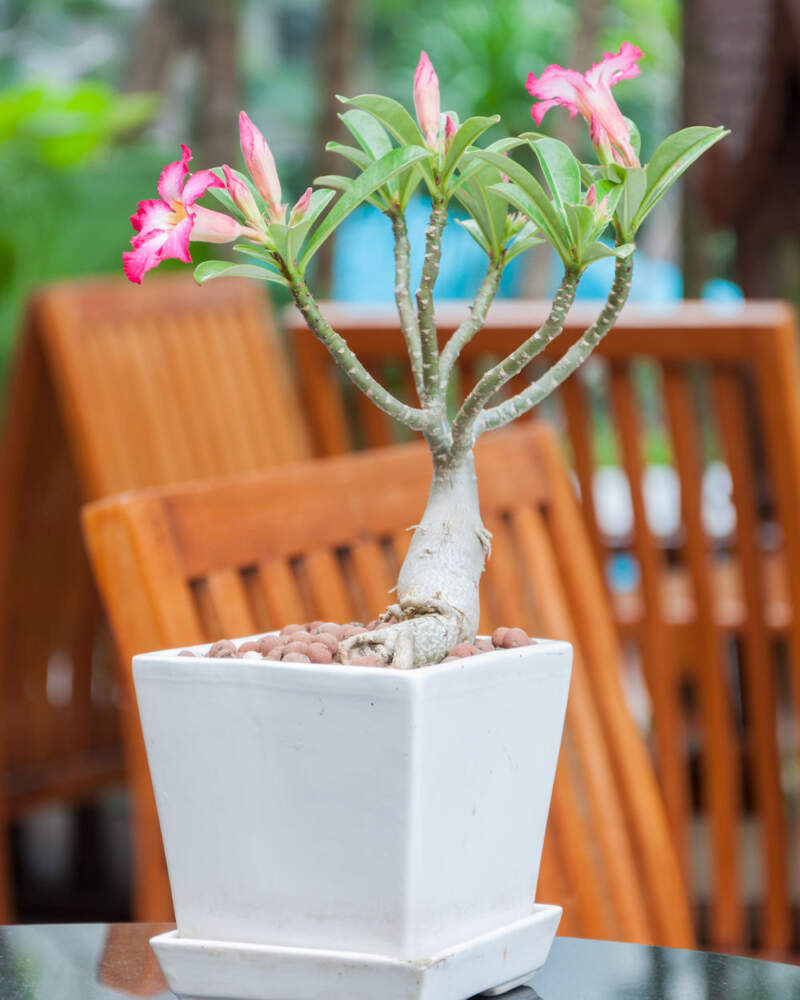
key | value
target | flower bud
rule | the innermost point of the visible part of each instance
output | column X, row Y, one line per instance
column 242, row 197
column 300, row 207
column 261, row 166
column 449, row 131
column 426, row 100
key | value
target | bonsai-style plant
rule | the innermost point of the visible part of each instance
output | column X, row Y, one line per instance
column 571, row 205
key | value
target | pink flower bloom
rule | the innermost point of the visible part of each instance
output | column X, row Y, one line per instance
column 301, row 207
column 242, row 197
column 261, row 166
column 165, row 225
column 426, row 100
column 590, row 94
column 449, row 132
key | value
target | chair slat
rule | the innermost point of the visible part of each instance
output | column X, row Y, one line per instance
column 720, row 750
column 762, row 750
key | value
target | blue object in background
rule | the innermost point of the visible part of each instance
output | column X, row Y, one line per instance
column 363, row 268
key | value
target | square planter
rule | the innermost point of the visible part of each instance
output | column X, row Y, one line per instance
column 320, row 814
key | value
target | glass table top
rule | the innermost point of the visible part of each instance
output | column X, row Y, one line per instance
column 102, row 961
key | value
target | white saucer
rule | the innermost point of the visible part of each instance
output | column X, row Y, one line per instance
column 491, row 964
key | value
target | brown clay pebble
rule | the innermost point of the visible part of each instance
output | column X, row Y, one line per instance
column 448, row 658
column 329, row 628
column 365, row 660
column 462, row 649
column 276, row 653
column 484, row 645
column 291, row 629
column 319, row 652
column 296, row 658
column 222, row 648
column 186, row 652
column 329, row 640
column 248, row 647
column 498, row 635
column 515, row 637
column 266, row 643
column 352, row 629
column 297, row 646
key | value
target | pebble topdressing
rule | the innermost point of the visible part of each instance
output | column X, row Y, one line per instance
column 318, row 642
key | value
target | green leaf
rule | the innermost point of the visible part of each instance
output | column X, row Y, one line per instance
column 671, row 158
column 561, row 171
column 374, row 177
column 635, row 135
column 368, row 132
column 540, row 209
column 390, row 113
column 476, row 233
column 520, row 246
column 225, row 269
column 472, row 129
column 226, row 201
column 361, row 159
column 582, row 224
column 520, row 199
column 340, row 183
column 598, row 251
column 633, row 191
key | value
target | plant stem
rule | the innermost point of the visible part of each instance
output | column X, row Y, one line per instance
column 497, row 377
column 512, row 408
column 402, row 296
column 412, row 417
column 472, row 324
column 427, row 321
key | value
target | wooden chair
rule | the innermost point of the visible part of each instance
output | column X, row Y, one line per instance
column 712, row 619
column 231, row 557
column 114, row 387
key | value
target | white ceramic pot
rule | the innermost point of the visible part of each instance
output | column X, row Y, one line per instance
column 345, row 831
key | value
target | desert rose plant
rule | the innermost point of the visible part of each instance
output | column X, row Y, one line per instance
column 569, row 204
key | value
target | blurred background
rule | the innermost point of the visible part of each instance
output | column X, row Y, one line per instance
column 96, row 95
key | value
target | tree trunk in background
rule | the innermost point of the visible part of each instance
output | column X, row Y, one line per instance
column 220, row 92
column 336, row 53
column 694, row 226
column 156, row 42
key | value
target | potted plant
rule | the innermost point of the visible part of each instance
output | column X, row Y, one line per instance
column 359, row 810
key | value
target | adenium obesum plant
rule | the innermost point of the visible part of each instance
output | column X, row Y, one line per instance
column 569, row 204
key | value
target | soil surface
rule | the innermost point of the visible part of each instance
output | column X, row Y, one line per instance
column 318, row 642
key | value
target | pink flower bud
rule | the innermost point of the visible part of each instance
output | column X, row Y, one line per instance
column 591, row 197
column 300, row 207
column 504, row 177
column 449, row 131
column 426, row 100
column 600, row 209
column 242, row 196
column 261, row 166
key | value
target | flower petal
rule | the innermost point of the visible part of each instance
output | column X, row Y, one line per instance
column 261, row 166
column 177, row 242
column 151, row 214
column 213, row 227
column 613, row 68
column 170, row 182
column 145, row 255
column 426, row 99
column 197, row 185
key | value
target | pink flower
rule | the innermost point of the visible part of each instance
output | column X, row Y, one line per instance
column 600, row 208
column 590, row 94
column 449, row 132
column 300, row 207
column 261, row 166
column 426, row 100
column 242, row 197
column 165, row 225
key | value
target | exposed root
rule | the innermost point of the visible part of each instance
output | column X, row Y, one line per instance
column 412, row 636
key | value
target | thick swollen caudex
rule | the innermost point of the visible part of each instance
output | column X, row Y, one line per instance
column 437, row 591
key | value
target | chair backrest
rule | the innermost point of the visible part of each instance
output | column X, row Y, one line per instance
column 168, row 382
column 709, row 601
column 191, row 563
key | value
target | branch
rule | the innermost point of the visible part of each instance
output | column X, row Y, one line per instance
column 512, row 408
column 414, row 418
column 427, row 321
column 472, row 324
column 402, row 296
column 497, row 377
